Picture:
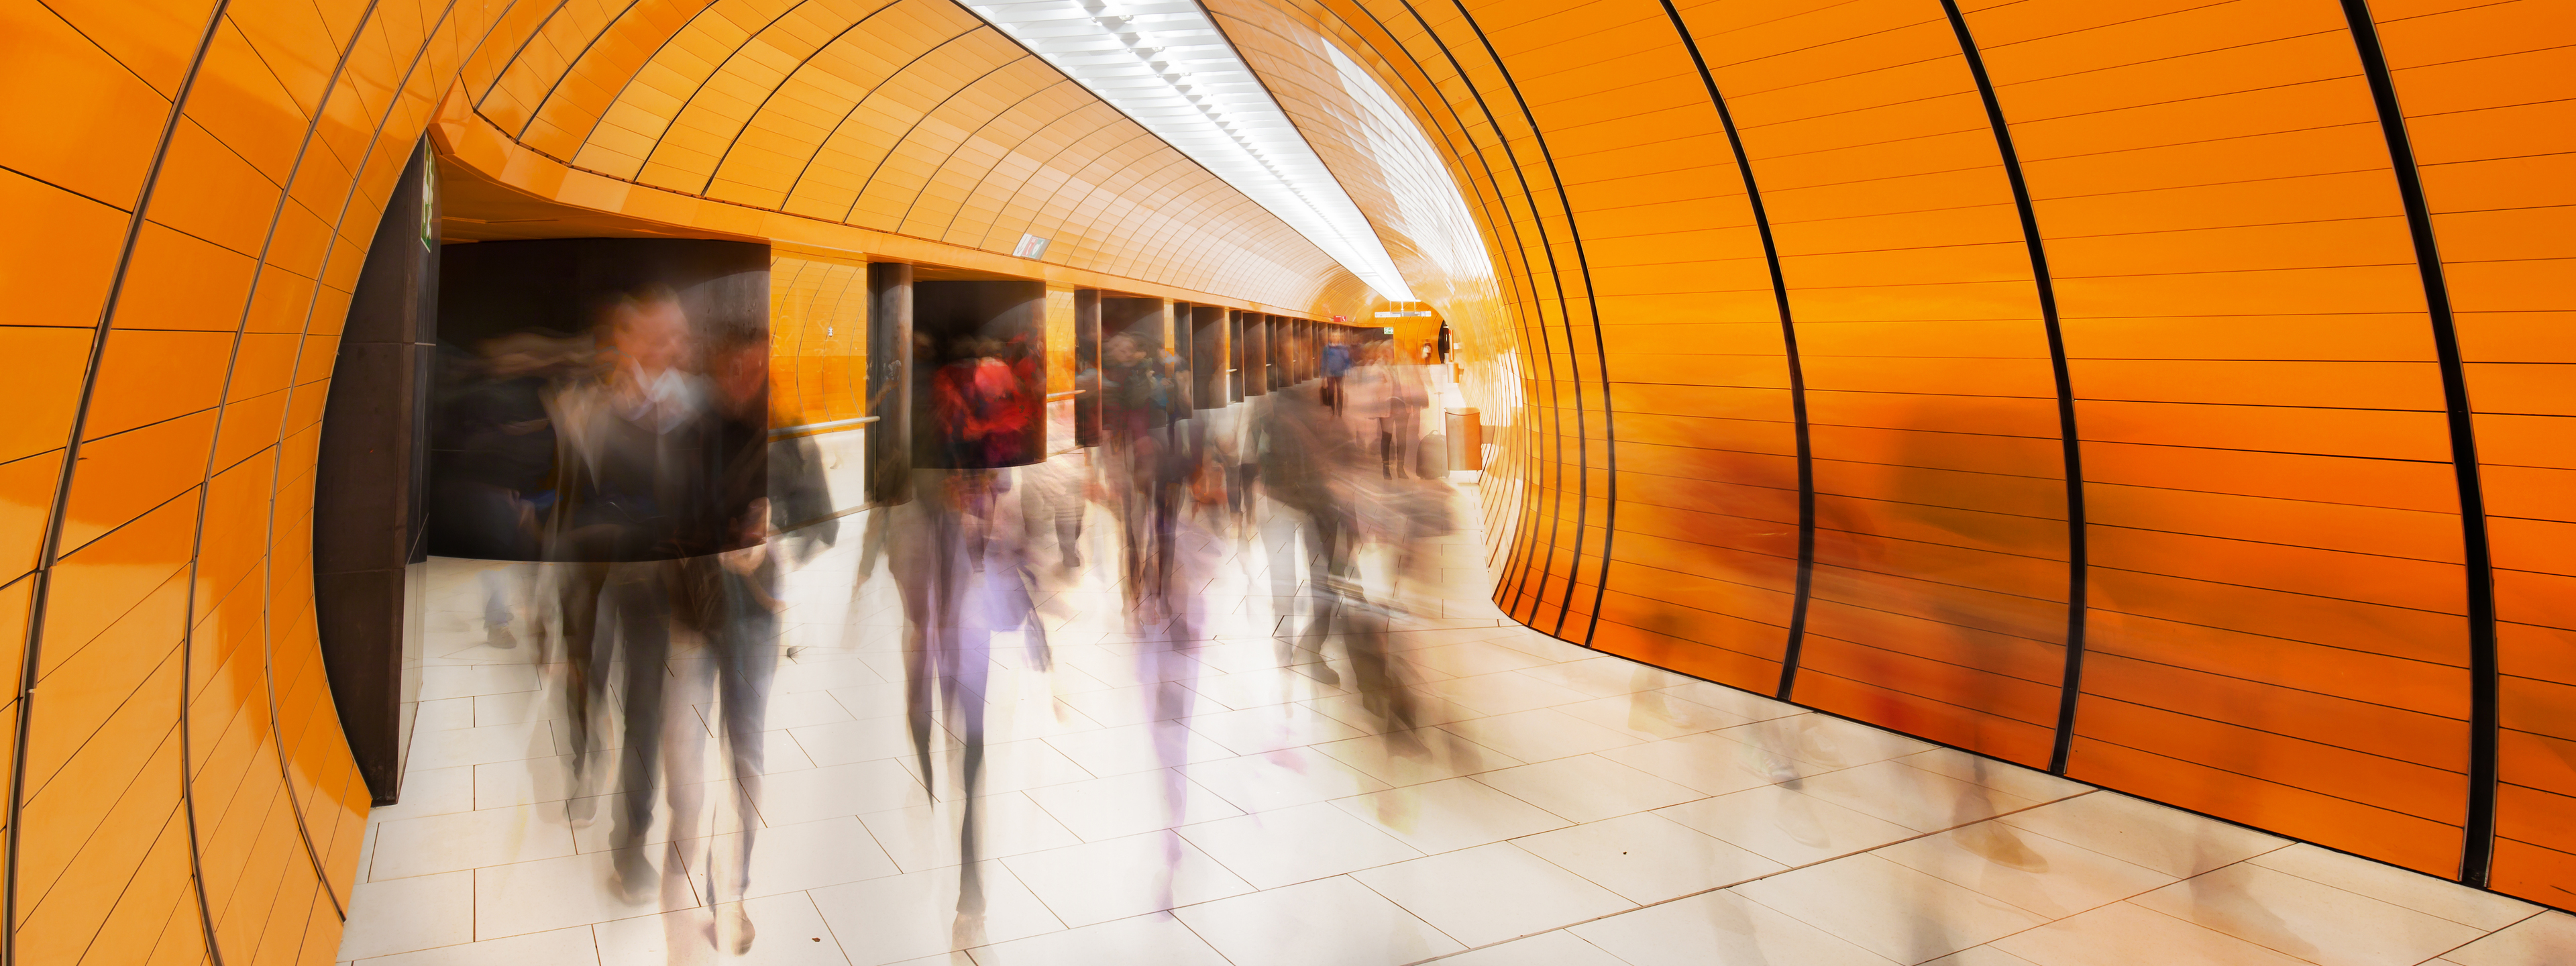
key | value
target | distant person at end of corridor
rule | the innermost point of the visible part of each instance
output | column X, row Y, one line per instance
column 1337, row 363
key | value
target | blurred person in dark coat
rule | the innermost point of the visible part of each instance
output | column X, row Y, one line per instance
column 736, row 592
column 490, row 497
column 640, row 489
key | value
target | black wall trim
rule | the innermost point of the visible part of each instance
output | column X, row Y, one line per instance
column 268, row 646
column 51, row 550
column 1518, row 277
column 1582, row 421
column 1532, row 489
column 2077, row 557
column 2477, row 853
column 1797, row 369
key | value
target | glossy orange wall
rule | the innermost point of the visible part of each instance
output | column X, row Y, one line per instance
column 818, row 331
column 1918, row 361
column 2178, row 344
column 195, row 185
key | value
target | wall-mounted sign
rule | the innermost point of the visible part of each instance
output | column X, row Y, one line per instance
column 1415, row 314
column 1030, row 246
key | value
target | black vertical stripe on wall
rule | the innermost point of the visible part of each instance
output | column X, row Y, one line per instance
column 1518, row 276
column 1527, row 546
column 1548, row 247
column 2477, row 852
column 268, row 563
column 1789, row 348
column 50, row 551
column 2072, row 450
column 268, row 645
column 1601, row 356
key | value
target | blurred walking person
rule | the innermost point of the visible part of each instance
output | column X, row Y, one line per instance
column 491, row 497
column 638, row 494
column 736, row 592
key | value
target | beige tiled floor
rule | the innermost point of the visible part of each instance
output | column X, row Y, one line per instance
column 1554, row 806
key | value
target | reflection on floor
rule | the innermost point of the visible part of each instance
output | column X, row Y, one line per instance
column 1560, row 807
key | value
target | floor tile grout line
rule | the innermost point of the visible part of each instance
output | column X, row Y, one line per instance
column 1390, row 900
column 2129, row 899
column 819, row 916
column 1352, row 874
column 1548, row 661
column 1202, row 937
column 2287, row 845
column 2398, row 869
column 1767, row 875
column 2482, row 937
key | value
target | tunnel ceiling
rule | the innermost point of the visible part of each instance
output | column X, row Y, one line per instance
column 909, row 116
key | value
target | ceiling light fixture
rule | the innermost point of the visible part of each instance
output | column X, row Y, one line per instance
column 1164, row 63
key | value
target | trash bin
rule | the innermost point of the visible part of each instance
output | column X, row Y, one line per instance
column 1466, row 439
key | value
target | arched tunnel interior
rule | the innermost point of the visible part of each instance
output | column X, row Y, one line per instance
column 2147, row 401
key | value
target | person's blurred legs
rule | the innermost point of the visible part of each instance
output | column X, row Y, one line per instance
column 746, row 662
column 641, row 594
column 967, row 662
column 585, row 660
column 500, row 597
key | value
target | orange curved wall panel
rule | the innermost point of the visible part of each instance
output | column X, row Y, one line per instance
column 2171, row 394
column 2487, row 93
column 207, row 177
column 1900, row 356
column 818, row 331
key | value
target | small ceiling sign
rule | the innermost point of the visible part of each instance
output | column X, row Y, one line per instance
column 1032, row 246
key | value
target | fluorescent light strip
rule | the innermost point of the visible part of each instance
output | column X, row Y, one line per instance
column 1166, row 65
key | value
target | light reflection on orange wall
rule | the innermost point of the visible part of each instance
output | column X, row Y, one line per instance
column 818, row 332
column 2278, row 628
column 180, row 670
column 2277, row 631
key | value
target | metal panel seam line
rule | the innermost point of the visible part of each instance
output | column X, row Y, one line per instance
column 32, row 655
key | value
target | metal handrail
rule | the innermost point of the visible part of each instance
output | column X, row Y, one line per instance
column 811, row 429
